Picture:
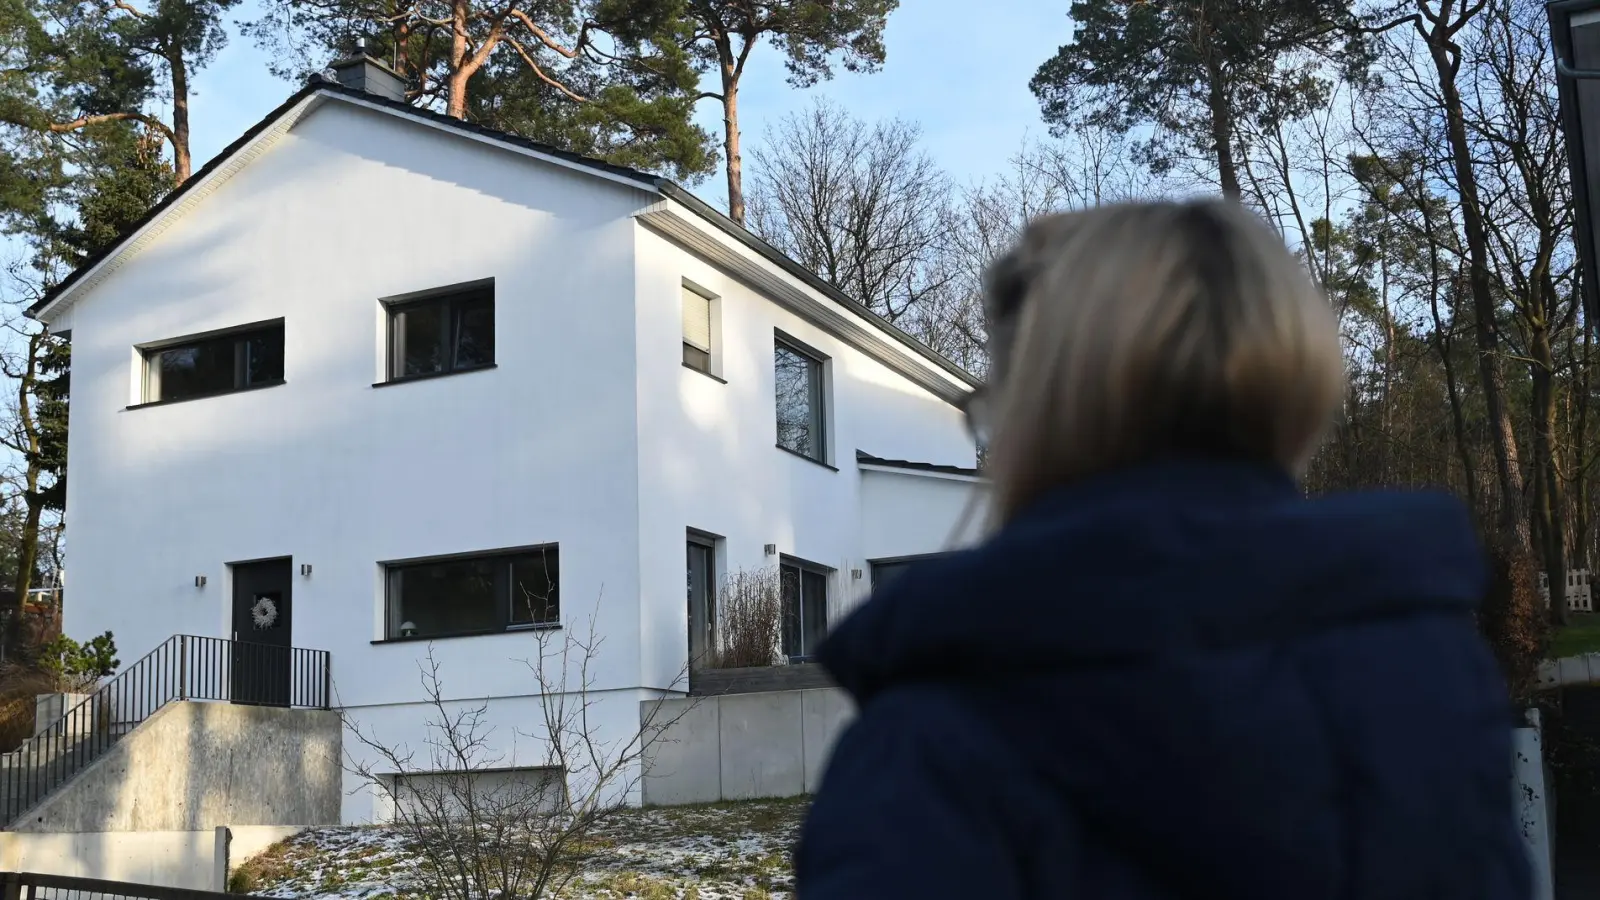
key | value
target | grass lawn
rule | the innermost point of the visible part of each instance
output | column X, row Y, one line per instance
column 1581, row 634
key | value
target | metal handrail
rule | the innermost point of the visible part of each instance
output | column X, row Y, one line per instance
column 34, row 886
column 184, row 667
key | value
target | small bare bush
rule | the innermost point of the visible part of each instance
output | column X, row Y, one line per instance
column 492, row 826
column 749, row 619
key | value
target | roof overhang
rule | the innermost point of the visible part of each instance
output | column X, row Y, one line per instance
column 1575, row 33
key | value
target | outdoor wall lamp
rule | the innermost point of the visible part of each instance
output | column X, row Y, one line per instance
column 771, row 549
column 305, row 569
column 199, row 581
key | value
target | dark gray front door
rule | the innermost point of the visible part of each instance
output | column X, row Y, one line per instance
column 261, row 632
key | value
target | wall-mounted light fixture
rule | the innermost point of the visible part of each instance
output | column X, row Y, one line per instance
column 305, row 569
column 771, row 549
column 855, row 574
column 199, row 581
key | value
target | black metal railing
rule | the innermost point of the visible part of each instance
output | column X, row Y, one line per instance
column 32, row 886
column 185, row 667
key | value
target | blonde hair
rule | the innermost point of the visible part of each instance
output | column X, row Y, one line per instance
column 1129, row 333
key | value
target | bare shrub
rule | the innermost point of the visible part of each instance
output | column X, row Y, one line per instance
column 492, row 826
column 749, row 619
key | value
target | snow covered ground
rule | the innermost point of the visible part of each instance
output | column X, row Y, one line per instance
column 734, row 851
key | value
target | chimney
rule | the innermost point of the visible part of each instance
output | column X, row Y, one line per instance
column 364, row 73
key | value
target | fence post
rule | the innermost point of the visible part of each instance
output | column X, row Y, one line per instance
column 10, row 886
column 219, row 867
column 327, row 680
column 183, row 667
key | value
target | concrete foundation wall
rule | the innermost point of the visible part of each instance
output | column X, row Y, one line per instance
column 195, row 766
column 180, row 859
column 743, row 746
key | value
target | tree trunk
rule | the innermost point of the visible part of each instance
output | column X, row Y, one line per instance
column 1512, row 520
column 182, row 165
column 730, row 140
column 1549, row 501
column 33, row 500
column 1222, row 134
column 456, row 83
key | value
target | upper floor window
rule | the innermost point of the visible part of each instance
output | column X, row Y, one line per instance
column 215, row 363
column 799, row 398
column 474, row 594
column 445, row 331
column 697, row 328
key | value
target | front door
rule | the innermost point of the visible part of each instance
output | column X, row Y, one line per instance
column 262, row 669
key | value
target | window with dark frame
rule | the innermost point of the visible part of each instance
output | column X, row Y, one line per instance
column 702, row 598
column 799, row 401
column 805, row 607
column 480, row 594
column 696, row 330
column 219, row 363
column 890, row 569
column 443, row 332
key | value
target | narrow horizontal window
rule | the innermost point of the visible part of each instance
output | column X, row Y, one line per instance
column 215, row 364
column 474, row 594
column 451, row 331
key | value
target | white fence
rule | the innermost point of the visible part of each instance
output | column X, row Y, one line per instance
column 1579, row 596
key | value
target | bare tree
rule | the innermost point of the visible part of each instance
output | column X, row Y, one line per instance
column 750, row 619
column 495, row 825
column 861, row 205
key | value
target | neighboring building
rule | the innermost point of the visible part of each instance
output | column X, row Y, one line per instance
column 1575, row 33
column 376, row 379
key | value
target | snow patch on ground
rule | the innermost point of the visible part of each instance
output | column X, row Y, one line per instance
column 733, row 851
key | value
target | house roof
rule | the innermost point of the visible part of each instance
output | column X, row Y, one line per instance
column 1575, row 32
column 298, row 103
column 866, row 459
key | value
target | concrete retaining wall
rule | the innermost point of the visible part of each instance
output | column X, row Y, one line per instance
column 181, row 859
column 194, row 766
column 743, row 746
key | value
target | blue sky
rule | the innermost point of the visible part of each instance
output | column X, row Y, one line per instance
column 962, row 76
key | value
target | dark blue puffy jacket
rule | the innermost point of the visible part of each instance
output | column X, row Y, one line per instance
column 1180, row 680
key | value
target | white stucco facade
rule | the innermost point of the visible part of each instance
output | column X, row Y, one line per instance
column 589, row 433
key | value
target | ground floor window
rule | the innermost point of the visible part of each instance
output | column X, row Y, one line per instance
column 702, row 599
column 887, row 570
column 805, row 607
column 475, row 594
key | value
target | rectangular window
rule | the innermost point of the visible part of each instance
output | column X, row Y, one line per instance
column 890, row 569
column 702, row 599
column 799, row 401
column 696, row 330
column 805, row 608
column 474, row 594
column 450, row 331
column 220, row 363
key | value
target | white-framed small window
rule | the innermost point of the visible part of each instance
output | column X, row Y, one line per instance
column 699, row 329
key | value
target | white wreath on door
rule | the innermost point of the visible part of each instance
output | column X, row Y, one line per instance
column 264, row 613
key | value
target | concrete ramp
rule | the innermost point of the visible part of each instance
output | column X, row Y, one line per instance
column 194, row 766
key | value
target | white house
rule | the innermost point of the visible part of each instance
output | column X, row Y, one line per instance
column 376, row 380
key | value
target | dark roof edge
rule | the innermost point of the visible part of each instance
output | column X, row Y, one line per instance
column 865, row 458
column 661, row 186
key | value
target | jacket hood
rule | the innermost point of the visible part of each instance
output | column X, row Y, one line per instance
column 1160, row 559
